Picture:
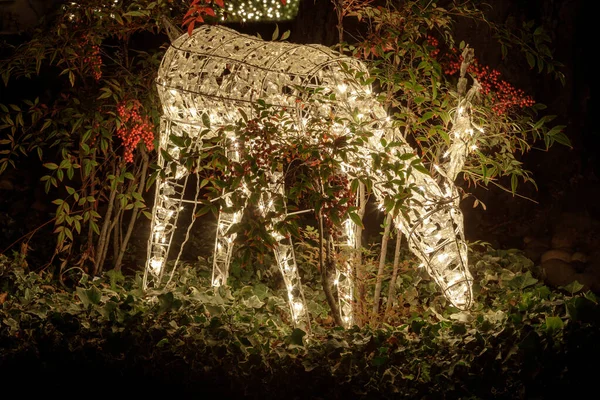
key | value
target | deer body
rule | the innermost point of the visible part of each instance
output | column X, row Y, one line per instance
column 219, row 72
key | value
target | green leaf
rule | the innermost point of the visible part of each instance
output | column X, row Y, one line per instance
column 530, row 60
column 118, row 18
column 178, row 140
column 296, row 337
column 135, row 14
column 356, row 219
column 95, row 227
column 88, row 296
column 51, row 166
column 106, row 93
column 554, row 324
column 520, row 282
column 419, row 99
column 561, row 138
column 275, row 33
column 253, row 302
column 419, row 167
column 165, row 302
column 573, row 287
column 206, row 120
column 426, row 116
column 285, row 35
column 514, row 181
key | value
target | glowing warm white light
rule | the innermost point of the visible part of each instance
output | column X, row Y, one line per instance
column 298, row 307
column 442, row 257
column 433, row 223
column 156, row 265
column 260, row 10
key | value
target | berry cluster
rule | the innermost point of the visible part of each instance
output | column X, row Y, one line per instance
column 504, row 96
column 92, row 57
column 433, row 42
column 134, row 128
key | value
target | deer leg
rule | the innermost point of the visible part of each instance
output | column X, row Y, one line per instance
column 345, row 247
column 168, row 197
column 286, row 259
column 224, row 240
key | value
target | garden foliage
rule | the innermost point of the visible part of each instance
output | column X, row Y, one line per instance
column 522, row 340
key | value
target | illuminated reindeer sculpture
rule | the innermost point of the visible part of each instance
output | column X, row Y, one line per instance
column 216, row 72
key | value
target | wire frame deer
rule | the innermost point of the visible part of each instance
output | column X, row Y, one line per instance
column 221, row 73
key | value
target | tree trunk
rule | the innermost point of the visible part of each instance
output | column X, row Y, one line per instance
column 134, row 214
column 384, row 242
column 324, row 276
column 392, row 288
column 315, row 23
column 361, row 274
column 105, row 232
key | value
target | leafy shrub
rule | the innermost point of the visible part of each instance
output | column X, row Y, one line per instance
column 522, row 340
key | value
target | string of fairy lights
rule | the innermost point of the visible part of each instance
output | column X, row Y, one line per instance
column 219, row 71
column 234, row 10
column 259, row 10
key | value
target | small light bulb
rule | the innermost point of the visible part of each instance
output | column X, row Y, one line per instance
column 298, row 307
column 156, row 264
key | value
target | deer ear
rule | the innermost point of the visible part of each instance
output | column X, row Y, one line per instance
column 172, row 30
